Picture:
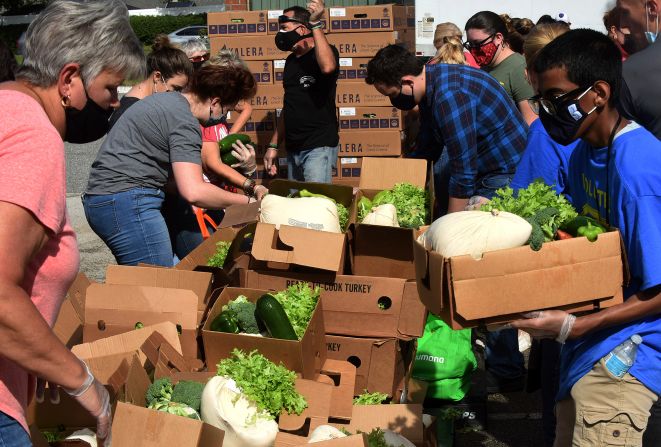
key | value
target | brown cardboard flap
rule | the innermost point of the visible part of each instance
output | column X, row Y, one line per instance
column 318, row 396
column 105, row 367
column 345, row 373
column 140, row 427
column 430, row 286
column 69, row 325
column 405, row 419
column 239, row 215
column 349, row 441
column 127, row 342
column 77, row 293
column 383, row 173
column 198, row 282
column 292, row 245
column 68, row 413
column 130, row 382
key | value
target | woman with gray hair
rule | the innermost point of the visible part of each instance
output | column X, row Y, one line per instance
column 76, row 55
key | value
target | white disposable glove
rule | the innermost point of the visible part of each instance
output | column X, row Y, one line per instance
column 260, row 192
column 246, row 156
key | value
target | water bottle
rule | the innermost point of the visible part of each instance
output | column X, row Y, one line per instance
column 620, row 359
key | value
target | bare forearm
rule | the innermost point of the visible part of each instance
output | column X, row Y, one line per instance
column 323, row 52
column 206, row 195
column 29, row 342
column 241, row 120
column 456, row 204
column 212, row 164
column 635, row 308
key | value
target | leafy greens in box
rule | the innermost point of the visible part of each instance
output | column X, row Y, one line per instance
column 410, row 201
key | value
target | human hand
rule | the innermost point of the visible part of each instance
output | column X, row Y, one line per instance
column 260, row 192
column 94, row 397
column 547, row 324
column 246, row 156
column 270, row 165
column 316, row 8
column 475, row 202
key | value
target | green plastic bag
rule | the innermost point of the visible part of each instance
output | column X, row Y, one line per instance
column 444, row 360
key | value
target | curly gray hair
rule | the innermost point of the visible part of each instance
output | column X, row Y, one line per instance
column 93, row 33
column 193, row 46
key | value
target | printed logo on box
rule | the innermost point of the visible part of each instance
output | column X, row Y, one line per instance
column 213, row 29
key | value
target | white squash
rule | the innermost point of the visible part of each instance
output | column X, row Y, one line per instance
column 85, row 435
column 475, row 232
column 396, row 440
column 245, row 425
column 315, row 213
column 385, row 215
column 325, row 433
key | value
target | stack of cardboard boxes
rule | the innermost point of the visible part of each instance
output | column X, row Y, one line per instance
column 369, row 125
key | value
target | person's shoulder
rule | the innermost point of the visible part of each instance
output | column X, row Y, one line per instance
column 22, row 113
column 638, row 156
column 640, row 62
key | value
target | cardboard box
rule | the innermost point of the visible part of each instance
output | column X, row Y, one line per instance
column 249, row 48
column 367, row 44
column 278, row 69
column 349, row 441
column 141, row 427
column 261, row 121
column 359, row 143
column 237, row 23
column 359, row 306
column 268, row 97
column 359, row 94
column 305, row 356
column 370, row 257
column 352, row 182
column 370, row 118
column 274, row 26
column 197, row 282
column 113, row 309
column 349, row 168
column 262, row 71
column 379, row 363
column 356, row 19
column 353, row 69
column 405, row 419
column 573, row 274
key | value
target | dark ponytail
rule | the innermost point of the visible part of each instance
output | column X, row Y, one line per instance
column 167, row 59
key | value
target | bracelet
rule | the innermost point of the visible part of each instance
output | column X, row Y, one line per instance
column 273, row 146
column 249, row 187
column 316, row 25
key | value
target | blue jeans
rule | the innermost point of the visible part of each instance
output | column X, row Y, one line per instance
column 12, row 434
column 312, row 165
column 131, row 225
column 184, row 229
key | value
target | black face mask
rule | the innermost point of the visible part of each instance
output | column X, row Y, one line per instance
column 403, row 101
column 197, row 65
column 285, row 40
column 564, row 125
column 212, row 121
column 88, row 124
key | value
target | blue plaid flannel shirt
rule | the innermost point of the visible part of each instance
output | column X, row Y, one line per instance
column 467, row 111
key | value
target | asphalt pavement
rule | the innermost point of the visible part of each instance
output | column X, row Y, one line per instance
column 513, row 420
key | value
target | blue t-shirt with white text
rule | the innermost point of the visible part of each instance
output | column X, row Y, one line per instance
column 635, row 208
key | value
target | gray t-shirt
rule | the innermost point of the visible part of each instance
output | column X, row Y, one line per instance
column 140, row 147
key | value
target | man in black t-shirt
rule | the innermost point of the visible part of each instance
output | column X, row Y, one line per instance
column 308, row 123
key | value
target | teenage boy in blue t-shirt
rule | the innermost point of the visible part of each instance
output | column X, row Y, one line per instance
column 614, row 175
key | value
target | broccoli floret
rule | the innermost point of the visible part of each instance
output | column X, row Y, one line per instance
column 161, row 389
column 244, row 311
column 189, row 393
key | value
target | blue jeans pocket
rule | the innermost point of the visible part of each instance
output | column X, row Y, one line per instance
column 488, row 186
column 101, row 214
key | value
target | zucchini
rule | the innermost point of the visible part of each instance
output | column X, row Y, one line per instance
column 573, row 225
column 270, row 312
column 225, row 145
column 228, row 159
column 225, row 322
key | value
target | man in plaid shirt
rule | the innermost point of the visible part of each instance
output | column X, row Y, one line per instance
column 467, row 112
column 462, row 109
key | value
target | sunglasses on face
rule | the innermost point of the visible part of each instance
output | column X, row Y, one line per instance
column 552, row 105
column 284, row 19
column 469, row 45
column 203, row 58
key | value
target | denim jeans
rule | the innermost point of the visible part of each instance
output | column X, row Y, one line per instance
column 184, row 229
column 12, row 434
column 131, row 225
column 503, row 358
column 312, row 165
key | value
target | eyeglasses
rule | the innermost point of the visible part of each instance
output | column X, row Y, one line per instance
column 551, row 106
column 470, row 45
column 284, row 19
column 203, row 58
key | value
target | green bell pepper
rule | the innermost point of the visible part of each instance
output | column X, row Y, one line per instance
column 590, row 231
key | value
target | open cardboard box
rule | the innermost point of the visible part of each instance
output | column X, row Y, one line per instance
column 361, row 306
column 305, row 356
column 370, row 256
column 69, row 323
column 112, row 309
column 405, row 419
column 574, row 274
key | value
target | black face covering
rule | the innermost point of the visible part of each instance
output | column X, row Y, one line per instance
column 403, row 101
column 285, row 40
column 197, row 65
column 88, row 124
column 565, row 124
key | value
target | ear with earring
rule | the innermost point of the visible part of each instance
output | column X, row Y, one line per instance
column 66, row 101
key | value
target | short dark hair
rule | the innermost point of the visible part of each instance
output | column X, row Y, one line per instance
column 489, row 22
column 390, row 64
column 545, row 19
column 300, row 13
column 588, row 56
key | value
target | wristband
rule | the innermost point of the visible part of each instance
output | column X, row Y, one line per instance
column 249, row 187
column 316, row 25
column 273, row 146
column 86, row 384
column 567, row 326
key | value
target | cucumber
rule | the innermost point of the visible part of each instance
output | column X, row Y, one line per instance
column 225, row 322
column 225, row 145
column 270, row 312
column 573, row 225
column 228, row 159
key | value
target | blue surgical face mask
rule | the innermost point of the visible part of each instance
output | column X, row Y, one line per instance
column 213, row 121
column 650, row 36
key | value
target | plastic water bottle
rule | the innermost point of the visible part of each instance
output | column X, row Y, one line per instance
column 620, row 359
